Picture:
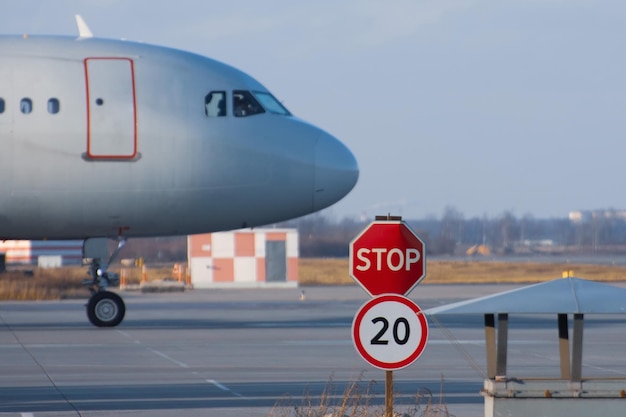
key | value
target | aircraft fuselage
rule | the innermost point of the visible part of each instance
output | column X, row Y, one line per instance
column 103, row 137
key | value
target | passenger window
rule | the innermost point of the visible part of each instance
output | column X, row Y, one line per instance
column 1, row 105
column 215, row 104
column 244, row 104
column 53, row 106
column 26, row 105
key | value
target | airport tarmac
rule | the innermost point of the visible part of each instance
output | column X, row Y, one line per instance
column 242, row 352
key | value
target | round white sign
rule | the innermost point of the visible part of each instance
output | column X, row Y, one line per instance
column 390, row 331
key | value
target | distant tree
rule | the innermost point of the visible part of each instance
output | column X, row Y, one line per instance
column 525, row 223
column 321, row 236
column 507, row 226
column 452, row 225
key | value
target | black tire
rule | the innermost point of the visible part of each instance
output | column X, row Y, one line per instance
column 106, row 309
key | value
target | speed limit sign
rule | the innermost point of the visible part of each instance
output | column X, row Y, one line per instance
column 390, row 331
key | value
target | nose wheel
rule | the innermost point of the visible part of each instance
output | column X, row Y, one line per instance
column 106, row 309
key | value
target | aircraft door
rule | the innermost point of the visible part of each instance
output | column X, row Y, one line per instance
column 111, row 108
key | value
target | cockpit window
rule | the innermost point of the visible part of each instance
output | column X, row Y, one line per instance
column 270, row 103
column 215, row 104
column 244, row 104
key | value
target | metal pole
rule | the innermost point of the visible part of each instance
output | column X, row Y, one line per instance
column 564, row 346
column 490, row 341
column 388, row 393
column 577, row 348
column 503, row 330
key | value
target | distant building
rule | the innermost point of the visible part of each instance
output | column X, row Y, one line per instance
column 244, row 258
column 586, row 216
column 27, row 252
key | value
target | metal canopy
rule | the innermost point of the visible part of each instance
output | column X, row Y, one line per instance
column 560, row 296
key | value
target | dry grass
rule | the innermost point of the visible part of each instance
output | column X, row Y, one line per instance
column 327, row 271
column 40, row 284
column 60, row 283
column 358, row 401
column 442, row 272
column 134, row 275
column 335, row 272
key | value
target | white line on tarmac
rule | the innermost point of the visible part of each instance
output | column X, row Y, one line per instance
column 27, row 415
column 223, row 387
column 126, row 335
column 164, row 356
column 282, row 324
column 343, row 342
column 602, row 368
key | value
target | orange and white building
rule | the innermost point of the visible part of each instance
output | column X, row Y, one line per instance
column 244, row 258
column 28, row 252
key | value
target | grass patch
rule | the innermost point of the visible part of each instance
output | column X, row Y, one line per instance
column 358, row 400
column 62, row 283
column 42, row 284
column 336, row 272
column 66, row 282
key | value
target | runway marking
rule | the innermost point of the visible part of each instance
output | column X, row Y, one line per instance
column 482, row 342
column 603, row 368
column 292, row 324
column 164, row 356
column 318, row 342
column 28, row 415
column 223, row 387
column 129, row 337
column 337, row 342
column 55, row 345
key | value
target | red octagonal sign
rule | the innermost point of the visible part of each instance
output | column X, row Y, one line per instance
column 387, row 258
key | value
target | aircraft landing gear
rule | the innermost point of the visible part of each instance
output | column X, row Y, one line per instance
column 104, row 308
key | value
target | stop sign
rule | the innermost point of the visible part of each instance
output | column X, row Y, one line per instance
column 387, row 258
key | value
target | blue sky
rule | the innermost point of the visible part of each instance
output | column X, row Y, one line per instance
column 486, row 106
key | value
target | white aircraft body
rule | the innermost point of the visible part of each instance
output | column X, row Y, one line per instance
column 115, row 139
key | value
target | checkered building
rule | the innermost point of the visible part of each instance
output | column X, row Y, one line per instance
column 244, row 258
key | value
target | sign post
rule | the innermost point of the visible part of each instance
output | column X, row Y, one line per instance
column 389, row 331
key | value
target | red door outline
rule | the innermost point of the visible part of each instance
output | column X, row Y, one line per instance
column 120, row 118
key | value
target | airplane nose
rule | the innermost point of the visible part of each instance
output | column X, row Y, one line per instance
column 336, row 171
